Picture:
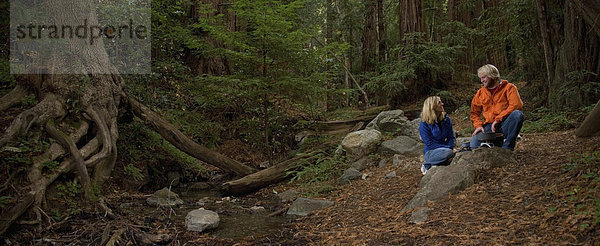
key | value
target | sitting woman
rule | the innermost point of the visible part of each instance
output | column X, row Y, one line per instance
column 437, row 134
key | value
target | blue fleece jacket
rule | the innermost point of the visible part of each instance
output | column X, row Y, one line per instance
column 438, row 135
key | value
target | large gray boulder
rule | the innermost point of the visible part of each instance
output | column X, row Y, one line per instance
column 459, row 175
column 401, row 145
column 304, row 206
column 388, row 121
column 164, row 198
column 201, row 219
column 411, row 129
column 360, row 143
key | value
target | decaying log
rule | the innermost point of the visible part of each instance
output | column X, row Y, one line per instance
column 186, row 144
column 265, row 177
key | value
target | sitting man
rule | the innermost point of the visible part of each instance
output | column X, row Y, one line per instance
column 501, row 105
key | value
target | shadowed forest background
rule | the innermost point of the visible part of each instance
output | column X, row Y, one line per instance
column 242, row 78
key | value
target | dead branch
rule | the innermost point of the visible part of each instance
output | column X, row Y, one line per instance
column 362, row 91
column 115, row 237
column 278, row 212
column 107, row 211
column 184, row 143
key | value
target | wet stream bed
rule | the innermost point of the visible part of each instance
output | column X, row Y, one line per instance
column 239, row 217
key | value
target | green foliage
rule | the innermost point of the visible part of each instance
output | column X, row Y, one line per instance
column 50, row 165
column 5, row 200
column 544, row 120
column 417, row 59
column 314, row 174
column 7, row 80
column 29, row 101
column 581, row 87
column 133, row 171
column 69, row 193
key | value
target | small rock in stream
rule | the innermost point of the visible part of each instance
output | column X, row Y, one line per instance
column 201, row 219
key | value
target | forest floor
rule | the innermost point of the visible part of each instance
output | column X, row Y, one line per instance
column 549, row 196
column 546, row 197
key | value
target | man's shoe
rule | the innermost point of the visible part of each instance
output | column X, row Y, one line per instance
column 423, row 169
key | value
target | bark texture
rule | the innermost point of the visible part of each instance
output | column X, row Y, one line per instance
column 591, row 124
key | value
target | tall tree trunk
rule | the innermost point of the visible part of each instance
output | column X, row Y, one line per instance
column 548, row 50
column 369, row 42
column 410, row 20
column 410, row 17
column 369, row 38
column 382, row 54
column 215, row 64
column 578, row 53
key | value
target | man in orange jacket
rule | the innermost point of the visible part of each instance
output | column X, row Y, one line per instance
column 501, row 105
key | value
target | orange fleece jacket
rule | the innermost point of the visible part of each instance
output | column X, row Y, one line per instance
column 505, row 100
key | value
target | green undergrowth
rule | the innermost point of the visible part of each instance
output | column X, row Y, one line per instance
column 319, row 167
column 545, row 120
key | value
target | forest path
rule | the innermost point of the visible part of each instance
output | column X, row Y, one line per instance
column 543, row 198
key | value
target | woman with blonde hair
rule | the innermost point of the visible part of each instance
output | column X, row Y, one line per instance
column 437, row 133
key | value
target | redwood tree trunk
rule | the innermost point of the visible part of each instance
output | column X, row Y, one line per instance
column 542, row 7
column 369, row 38
column 410, row 17
column 578, row 53
column 382, row 54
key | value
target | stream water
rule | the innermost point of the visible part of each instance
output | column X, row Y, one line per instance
column 236, row 221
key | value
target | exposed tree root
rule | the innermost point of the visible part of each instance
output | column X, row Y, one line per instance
column 68, row 144
column 50, row 107
column 15, row 212
column 186, row 144
column 12, row 98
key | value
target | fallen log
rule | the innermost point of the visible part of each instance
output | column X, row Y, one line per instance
column 265, row 177
column 184, row 143
column 341, row 126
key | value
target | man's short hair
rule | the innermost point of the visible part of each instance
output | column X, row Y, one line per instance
column 490, row 71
